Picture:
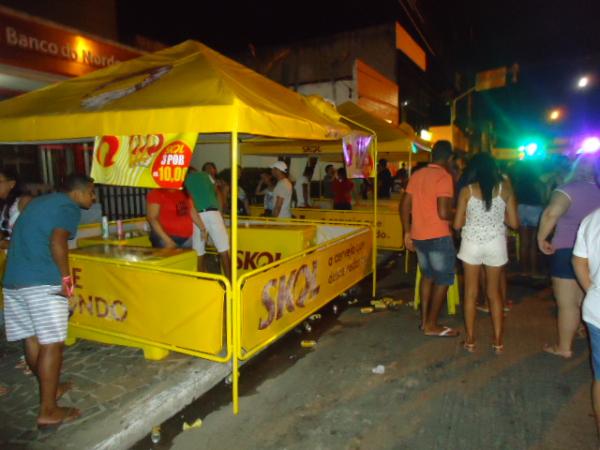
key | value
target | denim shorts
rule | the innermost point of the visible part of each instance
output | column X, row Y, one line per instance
column 529, row 215
column 181, row 242
column 594, row 333
column 561, row 265
column 437, row 258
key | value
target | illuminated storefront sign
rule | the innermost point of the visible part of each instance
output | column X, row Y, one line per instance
column 38, row 45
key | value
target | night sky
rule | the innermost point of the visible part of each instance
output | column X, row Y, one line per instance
column 553, row 41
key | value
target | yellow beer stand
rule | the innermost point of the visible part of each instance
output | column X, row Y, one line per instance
column 133, row 296
column 393, row 142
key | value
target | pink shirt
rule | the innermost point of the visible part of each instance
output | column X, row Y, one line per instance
column 425, row 187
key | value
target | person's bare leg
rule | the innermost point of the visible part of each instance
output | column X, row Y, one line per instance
column 425, row 287
column 226, row 264
column 481, row 300
column 472, row 279
column 497, row 313
column 49, row 364
column 201, row 263
column 568, row 296
column 32, row 351
column 503, row 287
column 438, row 298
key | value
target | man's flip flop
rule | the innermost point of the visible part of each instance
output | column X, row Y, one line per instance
column 446, row 332
column 71, row 415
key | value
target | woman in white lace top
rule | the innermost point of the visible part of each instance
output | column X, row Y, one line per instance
column 483, row 209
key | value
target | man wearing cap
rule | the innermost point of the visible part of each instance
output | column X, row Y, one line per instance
column 283, row 190
column 208, row 218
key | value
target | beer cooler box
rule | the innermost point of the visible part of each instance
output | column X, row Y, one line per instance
column 262, row 244
column 159, row 257
column 133, row 238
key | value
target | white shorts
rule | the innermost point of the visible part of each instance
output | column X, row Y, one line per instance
column 217, row 233
column 492, row 253
column 36, row 311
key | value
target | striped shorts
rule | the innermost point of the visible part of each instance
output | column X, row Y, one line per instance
column 36, row 311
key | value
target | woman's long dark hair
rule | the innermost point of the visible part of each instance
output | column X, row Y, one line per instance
column 15, row 192
column 484, row 171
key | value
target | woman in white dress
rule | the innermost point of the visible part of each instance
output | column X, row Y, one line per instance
column 484, row 207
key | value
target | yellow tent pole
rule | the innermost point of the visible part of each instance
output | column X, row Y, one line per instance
column 374, row 268
column 233, row 255
column 374, row 263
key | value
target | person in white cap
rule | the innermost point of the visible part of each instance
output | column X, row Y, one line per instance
column 282, row 191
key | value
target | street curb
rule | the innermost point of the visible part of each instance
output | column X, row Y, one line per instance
column 136, row 419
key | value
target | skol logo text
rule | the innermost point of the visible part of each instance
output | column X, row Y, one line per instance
column 247, row 260
column 288, row 292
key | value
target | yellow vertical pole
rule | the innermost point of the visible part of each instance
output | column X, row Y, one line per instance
column 234, row 247
column 234, row 354
column 374, row 268
column 374, row 264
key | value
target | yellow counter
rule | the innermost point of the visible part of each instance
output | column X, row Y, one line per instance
column 133, row 238
column 159, row 257
column 389, row 226
column 262, row 244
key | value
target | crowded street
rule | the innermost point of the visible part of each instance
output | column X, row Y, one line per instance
column 320, row 225
column 432, row 393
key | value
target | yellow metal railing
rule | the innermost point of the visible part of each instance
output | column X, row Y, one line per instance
column 241, row 354
column 199, row 275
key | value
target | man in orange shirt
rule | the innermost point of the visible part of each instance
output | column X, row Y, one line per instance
column 428, row 201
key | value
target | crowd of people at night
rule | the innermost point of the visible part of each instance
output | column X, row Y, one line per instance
column 550, row 206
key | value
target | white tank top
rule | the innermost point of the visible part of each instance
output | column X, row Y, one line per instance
column 482, row 226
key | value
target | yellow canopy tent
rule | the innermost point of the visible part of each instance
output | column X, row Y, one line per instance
column 392, row 141
column 185, row 88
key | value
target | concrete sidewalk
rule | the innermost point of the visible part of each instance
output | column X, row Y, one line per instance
column 121, row 396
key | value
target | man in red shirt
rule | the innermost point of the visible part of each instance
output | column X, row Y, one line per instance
column 168, row 213
column 428, row 201
column 342, row 189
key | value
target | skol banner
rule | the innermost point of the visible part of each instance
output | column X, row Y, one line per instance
column 163, row 307
column 358, row 156
column 152, row 161
column 277, row 299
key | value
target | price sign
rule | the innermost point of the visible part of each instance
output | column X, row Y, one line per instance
column 170, row 167
column 151, row 161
